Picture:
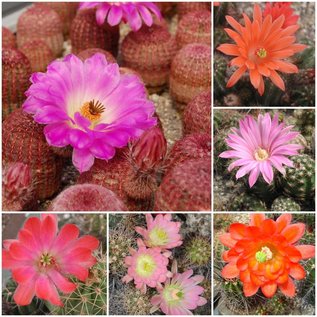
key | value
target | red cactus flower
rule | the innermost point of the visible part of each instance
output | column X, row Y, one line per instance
column 263, row 254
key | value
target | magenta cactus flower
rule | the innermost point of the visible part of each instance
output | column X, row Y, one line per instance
column 180, row 294
column 161, row 232
column 146, row 266
column 133, row 13
column 90, row 106
column 259, row 146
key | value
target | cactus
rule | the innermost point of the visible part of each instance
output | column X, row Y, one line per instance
column 66, row 12
column 8, row 39
column 283, row 203
column 245, row 202
column 41, row 23
column 220, row 69
column 136, row 303
column 16, row 71
column 90, row 297
column 198, row 223
column 190, row 73
column 23, row 141
column 198, row 251
column 38, row 53
column 83, row 55
column 299, row 182
column 186, row 187
column 87, row 197
column 194, row 27
column 86, row 33
column 186, row 7
column 197, row 114
column 193, row 146
column 149, row 51
column 305, row 121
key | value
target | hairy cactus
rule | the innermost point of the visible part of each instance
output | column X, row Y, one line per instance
column 41, row 23
column 193, row 146
column 23, row 141
column 245, row 202
column 150, row 52
column 299, row 182
column 190, row 73
column 87, row 197
column 194, row 27
column 136, row 303
column 66, row 12
column 17, row 187
column 198, row 251
column 38, row 53
column 186, row 7
column 197, row 114
column 83, row 55
column 186, row 187
column 283, row 203
column 16, row 71
column 8, row 38
column 86, row 33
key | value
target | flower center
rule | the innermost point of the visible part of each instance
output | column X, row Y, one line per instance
column 173, row 294
column 158, row 237
column 261, row 154
column 145, row 265
column 264, row 255
column 46, row 260
column 92, row 110
column 261, row 52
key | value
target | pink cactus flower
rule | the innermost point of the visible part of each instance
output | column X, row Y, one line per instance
column 147, row 267
column 180, row 294
column 161, row 232
column 90, row 106
column 133, row 13
column 259, row 146
column 41, row 259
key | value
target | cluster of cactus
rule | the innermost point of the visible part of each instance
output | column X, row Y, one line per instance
column 136, row 303
column 197, row 251
column 246, row 202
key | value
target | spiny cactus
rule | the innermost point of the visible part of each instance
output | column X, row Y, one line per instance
column 193, row 146
column 245, row 202
column 16, row 71
column 194, row 27
column 220, row 69
column 87, row 197
column 186, row 187
column 38, row 53
column 83, row 55
column 299, row 182
column 136, row 303
column 8, row 38
column 198, row 251
column 149, row 51
column 197, row 114
column 283, row 203
column 41, row 23
column 190, row 73
column 86, row 33
column 187, row 7
column 23, row 141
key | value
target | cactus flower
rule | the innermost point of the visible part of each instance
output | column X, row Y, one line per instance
column 133, row 13
column 41, row 259
column 147, row 267
column 259, row 146
column 180, row 294
column 261, row 48
column 161, row 232
column 265, row 254
column 90, row 106
column 276, row 9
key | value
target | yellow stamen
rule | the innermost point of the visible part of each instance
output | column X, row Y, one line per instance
column 261, row 154
column 92, row 110
column 264, row 255
column 158, row 237
column 145, row 265
column 261, row 52
column 46, row 260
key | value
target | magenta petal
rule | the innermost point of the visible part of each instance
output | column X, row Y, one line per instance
column 101, row 13
column 57, row 134
column 50, row 114
column 115, row 15
column 79, row 139
column 81, row 121
column 102, row 150
column 146, row 15
column 83, row 160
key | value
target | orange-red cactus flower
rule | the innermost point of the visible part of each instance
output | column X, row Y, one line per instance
column 261, row 48
column 276, row 9
column 264, row 254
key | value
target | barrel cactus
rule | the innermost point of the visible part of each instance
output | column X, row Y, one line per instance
column 246, row 202
column 186, row 7
column 283, row 203
column 8, row 38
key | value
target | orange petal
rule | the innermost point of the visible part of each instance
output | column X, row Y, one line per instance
column 257, row 219
column 283, row 221
column 238, row 231
column 261, row 87
column 298, row 47
column 292, row 253
column 263, row 70
column 257, row 14
column 277, row 80
column 288, row 288
column 249, row 289
column 282, row 279
column 227, row 241
column 256, row 280
column 294, row 232
column 296, row 271
column 236, row 76
column 237, row 26
column 229, row 49
column 225, row 256
column 237, row 61
column 307, row 251
column 269, row 227
column 255, row 78
column 230, row 271
column 245, row 276
column 286, row 67
column 269, row 289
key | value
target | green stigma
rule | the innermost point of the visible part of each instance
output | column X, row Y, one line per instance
column 261, row 52
column 173, row 294
column 145, row 265
column 46, row 259
column 158, row 237
column 265, row 254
